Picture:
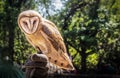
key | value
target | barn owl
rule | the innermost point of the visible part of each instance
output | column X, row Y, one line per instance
column 44, row 36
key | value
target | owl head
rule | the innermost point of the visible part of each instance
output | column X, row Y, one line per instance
column 28, row 21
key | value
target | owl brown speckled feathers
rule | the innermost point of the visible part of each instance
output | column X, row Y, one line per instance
column 44, row 36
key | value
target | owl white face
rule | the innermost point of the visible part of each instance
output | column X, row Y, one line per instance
column 29, row 24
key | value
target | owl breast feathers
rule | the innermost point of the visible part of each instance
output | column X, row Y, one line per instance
column 44, row 36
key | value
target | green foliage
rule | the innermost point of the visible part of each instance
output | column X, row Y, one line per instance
column 10, row 35
column 1, row 6
column 90, row 30
column 92, row 60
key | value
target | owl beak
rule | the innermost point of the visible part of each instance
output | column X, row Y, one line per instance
column 30, row 25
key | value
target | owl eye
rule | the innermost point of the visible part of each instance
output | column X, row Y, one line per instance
column 34, row 22
column 25, row 23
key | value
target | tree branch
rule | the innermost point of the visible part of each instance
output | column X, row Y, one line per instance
column 72, row 46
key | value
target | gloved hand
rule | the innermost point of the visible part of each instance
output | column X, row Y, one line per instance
column 36, row 66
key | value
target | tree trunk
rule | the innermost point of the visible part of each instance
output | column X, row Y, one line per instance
column 11, row 26
column 83, row 61
column 11, row 41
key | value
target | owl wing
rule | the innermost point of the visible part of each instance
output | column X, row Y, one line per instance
column 60, row 56
column 54, row 36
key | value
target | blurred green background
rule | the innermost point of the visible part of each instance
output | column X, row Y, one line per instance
column 90, row 28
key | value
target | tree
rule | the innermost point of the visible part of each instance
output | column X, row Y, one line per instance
column 87, row 26
column 9, row 13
